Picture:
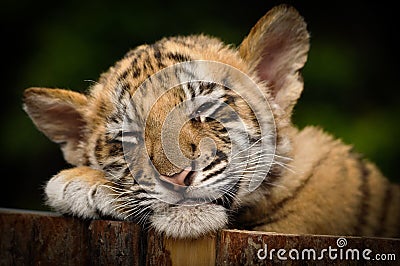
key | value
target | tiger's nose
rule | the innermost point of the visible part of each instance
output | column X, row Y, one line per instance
column 184, row 178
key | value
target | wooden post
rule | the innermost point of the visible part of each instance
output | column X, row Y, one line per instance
column 43, row 238
column 169, row 251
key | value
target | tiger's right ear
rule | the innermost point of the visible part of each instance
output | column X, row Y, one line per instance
column 276, row 48
column 59, row 115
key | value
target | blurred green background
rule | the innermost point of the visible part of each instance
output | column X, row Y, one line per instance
column 351, row 76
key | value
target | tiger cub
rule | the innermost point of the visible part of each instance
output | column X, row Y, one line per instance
column 189, row 135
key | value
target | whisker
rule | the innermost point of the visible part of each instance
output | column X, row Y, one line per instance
column 252, row 145
column 286, row 166
column 91, row 81
column 252, row 158
column 137, row 211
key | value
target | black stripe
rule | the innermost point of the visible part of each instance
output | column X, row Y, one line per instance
column 114, row 166
column 207, row 87
column 124, row 74
column 221, row 156
column 115, row 149
column 221, row 129
column 136, row 52
column 211, row 165
column 98, row 149
column 135, row 134
column 229, row 99
column 110, row 139
column 298, row 190
column 189, row 87
column 115, row 118
column 282, row 203
column 157, row 53
column 385, row 208
column 159, row 57
column 365, row 196
column 178, row 57
column 125, row 89
column 229, row 117
column 136, row 71
column 212, row 174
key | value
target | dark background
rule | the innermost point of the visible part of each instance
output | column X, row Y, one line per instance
column 351, row 78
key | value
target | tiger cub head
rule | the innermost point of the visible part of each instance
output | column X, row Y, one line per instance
column 188, row 130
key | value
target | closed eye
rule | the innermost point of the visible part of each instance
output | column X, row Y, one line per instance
column 204, row 107
column 204, row 111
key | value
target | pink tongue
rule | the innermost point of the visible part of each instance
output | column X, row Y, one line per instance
column 177, row 179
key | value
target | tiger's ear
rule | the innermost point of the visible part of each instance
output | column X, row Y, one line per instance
column 59, row 115
column 276, row 48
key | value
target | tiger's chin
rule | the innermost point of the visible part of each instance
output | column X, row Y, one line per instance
column 191, row 221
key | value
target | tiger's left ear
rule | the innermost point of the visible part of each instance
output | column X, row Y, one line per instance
column 59, row 114
column 276, row 48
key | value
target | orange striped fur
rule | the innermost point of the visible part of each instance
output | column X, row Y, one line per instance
column 316, row 184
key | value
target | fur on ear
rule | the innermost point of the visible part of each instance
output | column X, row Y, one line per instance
column 276, row 48
column 59, row 115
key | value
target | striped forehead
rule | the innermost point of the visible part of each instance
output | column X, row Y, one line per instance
column 187, row 80
column 129, row 83
column 134, row 105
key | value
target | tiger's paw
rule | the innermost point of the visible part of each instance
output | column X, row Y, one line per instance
column 78, row 191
